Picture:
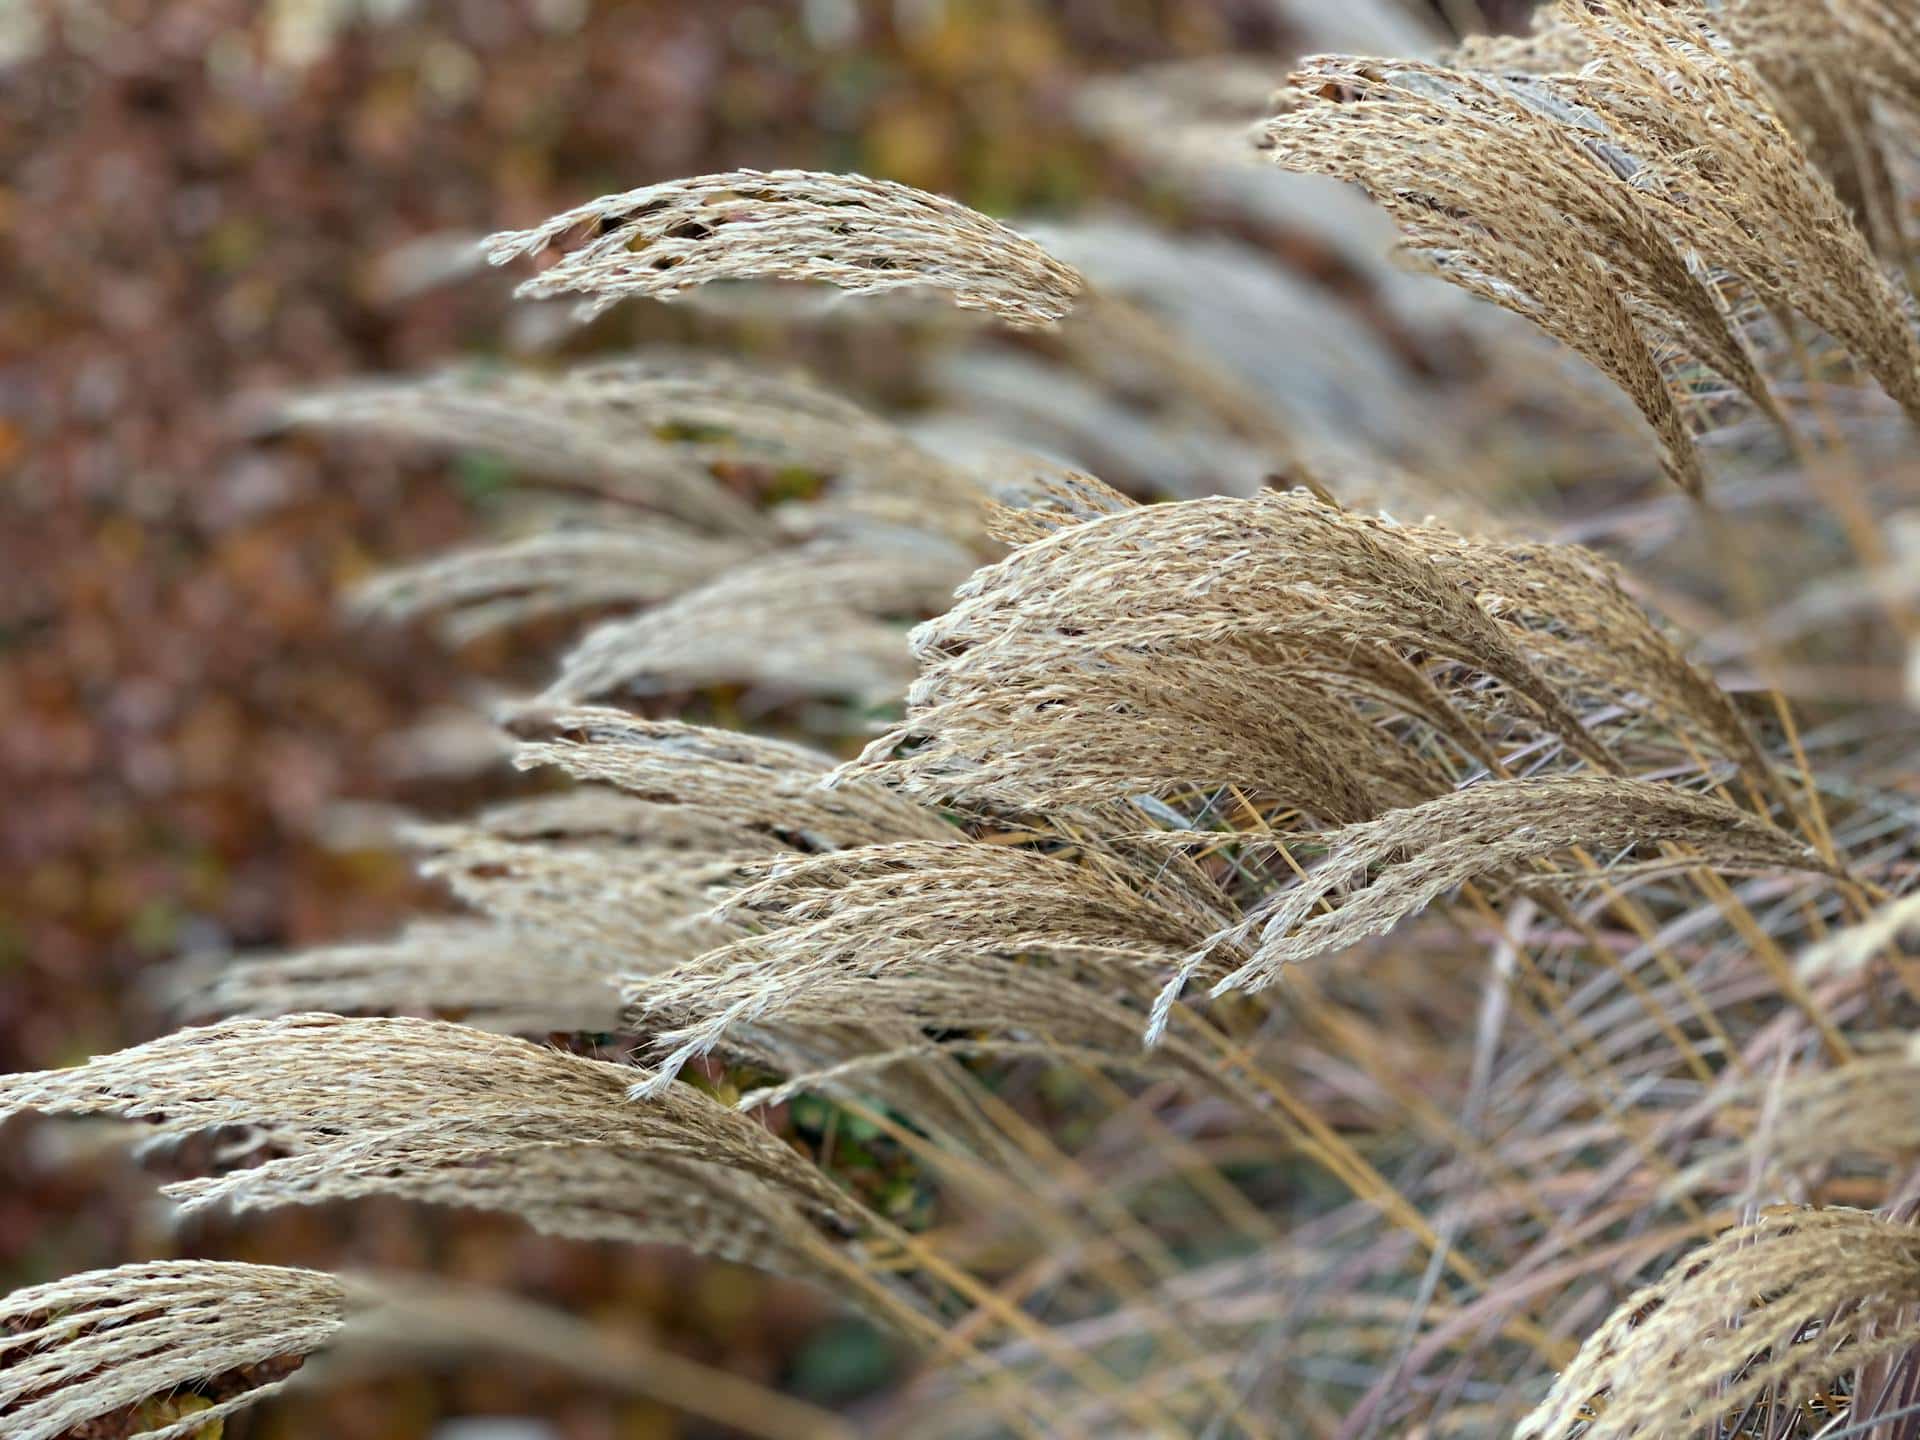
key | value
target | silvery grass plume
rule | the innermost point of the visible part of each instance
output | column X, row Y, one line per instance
column 586, row 895
column 446, row 1114
column 765, row 790
column 1623, row 190
column 490, row 975
column 660, row 407
column 1721, row 172
column 563, row 570
column 895, row 530
column 577, row 892
column 932, row 933
column 81, row 1348
column 131, row 1340
column 714, row 412
column 1224, row 597
column 845, row 230
column 650, row 429
column 551, row 430
column 1812, row 62
column 569, row 892
column 822, row 619
column 1377, row 872
column 1052, row 681
column 1768, row 1320
column 1563, row 242
column 1190, row 125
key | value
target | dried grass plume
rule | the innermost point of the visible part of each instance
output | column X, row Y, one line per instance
column 862, row 235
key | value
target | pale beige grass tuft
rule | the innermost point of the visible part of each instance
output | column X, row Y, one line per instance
column 1379, row 872
column 847, row 230
column 330, row 1109
column 83, row 1347
column 1723, row 174
column 1779, row 1308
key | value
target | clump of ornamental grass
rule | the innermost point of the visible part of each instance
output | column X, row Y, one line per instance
column 1534, row 955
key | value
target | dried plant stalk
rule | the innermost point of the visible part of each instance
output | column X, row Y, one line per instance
column 81, row 1348
column 1778, row 1308
column 847, row 230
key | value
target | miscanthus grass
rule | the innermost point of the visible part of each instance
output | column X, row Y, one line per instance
column 1335, row 950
